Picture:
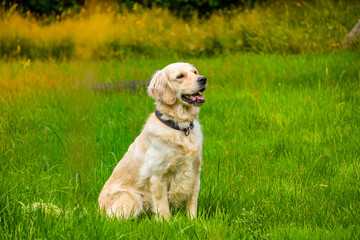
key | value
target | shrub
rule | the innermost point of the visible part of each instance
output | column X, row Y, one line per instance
column 277, row 28
column 41, row 7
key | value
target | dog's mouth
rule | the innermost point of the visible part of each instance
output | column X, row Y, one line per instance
column 194, row 99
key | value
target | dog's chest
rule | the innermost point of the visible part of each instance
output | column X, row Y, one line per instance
column 181, row 177
column 178, row 161
column 182, row 173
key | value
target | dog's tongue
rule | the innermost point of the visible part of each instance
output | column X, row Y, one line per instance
column 197, row 97
column 200, row 97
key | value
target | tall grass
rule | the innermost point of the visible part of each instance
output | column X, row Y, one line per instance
column 279, row 27
column 281, row 148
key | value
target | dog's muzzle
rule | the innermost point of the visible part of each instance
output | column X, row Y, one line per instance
column 197, row 98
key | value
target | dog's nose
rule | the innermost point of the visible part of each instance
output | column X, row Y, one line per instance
column 201, row 80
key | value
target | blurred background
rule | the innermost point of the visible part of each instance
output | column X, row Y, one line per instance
column 89, row 29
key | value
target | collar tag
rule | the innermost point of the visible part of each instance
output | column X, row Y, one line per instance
column 173, row 124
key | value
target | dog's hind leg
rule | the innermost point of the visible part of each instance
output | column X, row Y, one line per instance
column 126, row 205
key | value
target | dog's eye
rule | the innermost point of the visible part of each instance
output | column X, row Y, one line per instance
column 195, row 72
column 180, row 76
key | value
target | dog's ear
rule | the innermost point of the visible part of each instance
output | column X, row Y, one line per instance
column 161, row 89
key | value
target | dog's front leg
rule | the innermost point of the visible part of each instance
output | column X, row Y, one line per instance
column 159, row 192
column 191, row 205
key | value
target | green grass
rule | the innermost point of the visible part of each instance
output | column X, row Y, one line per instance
column 280, row 160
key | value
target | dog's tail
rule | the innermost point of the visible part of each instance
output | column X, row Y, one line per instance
column 47, row 208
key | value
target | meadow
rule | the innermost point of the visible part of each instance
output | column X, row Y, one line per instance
column 280, row 160
column 281, row 120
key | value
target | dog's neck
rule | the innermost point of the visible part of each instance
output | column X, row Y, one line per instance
column 178, row 113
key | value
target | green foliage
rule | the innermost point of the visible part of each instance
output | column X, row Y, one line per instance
column 276, row 28
column 188, row 8
column 280, row 157
column 184, row 8
column 42, row 7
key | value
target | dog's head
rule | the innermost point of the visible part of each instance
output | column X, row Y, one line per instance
column 178, row 82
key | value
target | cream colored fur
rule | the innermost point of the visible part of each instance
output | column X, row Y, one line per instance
column 161, row 168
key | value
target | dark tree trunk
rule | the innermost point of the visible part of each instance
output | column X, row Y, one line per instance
column 351, row 37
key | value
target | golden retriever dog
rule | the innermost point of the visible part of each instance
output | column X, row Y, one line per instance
column 161, row 168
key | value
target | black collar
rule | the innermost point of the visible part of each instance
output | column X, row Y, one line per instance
column 173, row 124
